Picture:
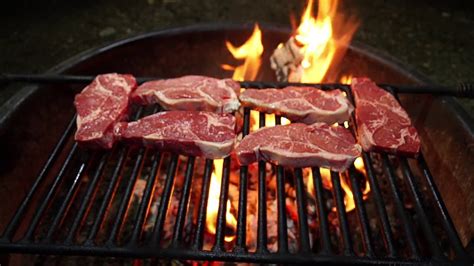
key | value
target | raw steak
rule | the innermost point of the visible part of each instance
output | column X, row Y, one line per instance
column 382, row 124
column 99, row 106
column 300, row 145
column 185, row 132
column 303, row 104
column 191, row 93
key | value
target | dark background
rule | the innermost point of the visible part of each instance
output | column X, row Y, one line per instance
column 435, row 37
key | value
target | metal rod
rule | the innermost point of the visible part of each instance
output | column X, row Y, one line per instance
column 323, row 216
column 147, row 196
column 463, row 89
column 240, row 244
column 262, row 201
column 201, row 221
column 447, row 222
column 423, row 218
column 165, row 199
column 66, row 202
column 281, row 204
column 341, row 211
column 183, row 203
column 107, row 197
column 379, row 203
column 52, row 190
column 125, row 197
column 15, row 221
column 221, row 213
column 86, row 200
column 302, row 212
column 361, row 213
column 399, row 205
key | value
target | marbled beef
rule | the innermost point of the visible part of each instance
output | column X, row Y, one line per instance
column 382, row 124
column 99, row 106
column 300, row 145
column 191, row 133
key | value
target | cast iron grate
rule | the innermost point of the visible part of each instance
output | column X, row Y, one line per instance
column 30, row 232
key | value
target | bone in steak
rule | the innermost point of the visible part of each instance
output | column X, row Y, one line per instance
column 300, row 145
column 382, row 124
column 191, row 93
column 302, row 104
column 99, row 106
column 190, row 133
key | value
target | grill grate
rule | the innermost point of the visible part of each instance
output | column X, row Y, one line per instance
column 20, row 235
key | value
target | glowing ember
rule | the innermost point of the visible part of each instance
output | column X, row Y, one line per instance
column 323, row 39
column 213, row 202
column 251, row 51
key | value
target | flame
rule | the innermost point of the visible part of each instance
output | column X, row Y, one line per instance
column 213, row 202
column 327, row 183
column 346, row 79
column 324, row 39
column 270, row 120
column 251, row 51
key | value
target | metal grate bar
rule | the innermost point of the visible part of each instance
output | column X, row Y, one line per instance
column 86, row 200
column 165, row 199
column 341, row 212
column 281, row 205
column 201, row 221
column 15, row 221
column 262, row 201
column 46, row 199
column 361, row 213
column 401, row 210
column 322, row 214
column 221, row 213
column 302, row 211
column 107, row 197
column 379, row 203
column 66, row 201
column 447, row 223
column 240, row 245
column 183, row 203
column 108, row 194
column 119, row 218
column 145, row 203
column 425, row 224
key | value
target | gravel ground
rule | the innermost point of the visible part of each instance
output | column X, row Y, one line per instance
column 435, row 37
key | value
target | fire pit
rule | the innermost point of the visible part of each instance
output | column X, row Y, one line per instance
column 141, row 203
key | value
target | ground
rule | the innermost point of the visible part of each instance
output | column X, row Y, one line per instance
column 435, row 37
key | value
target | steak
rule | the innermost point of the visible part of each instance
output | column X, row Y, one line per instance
column 300, row 145
column 99, row 106
column 302, row 104
column 191, row 93
column 382, row 124
column 190, row 133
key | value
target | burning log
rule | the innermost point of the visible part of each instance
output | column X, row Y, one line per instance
column 286, row 61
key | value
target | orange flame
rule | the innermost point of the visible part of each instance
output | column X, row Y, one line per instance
column 346, row 79
column 213, row 202
column 324, row 39
column 270, row 120
column 251, row 51
column 348, row 195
